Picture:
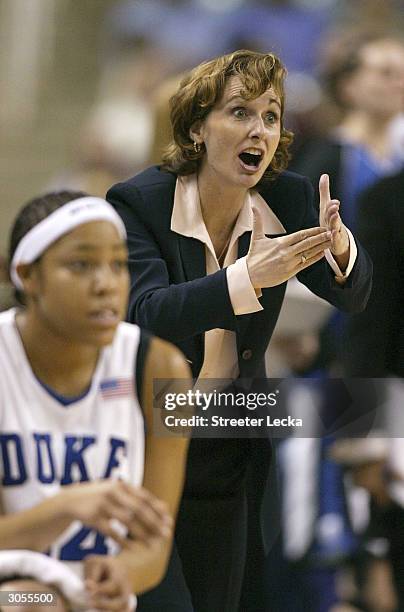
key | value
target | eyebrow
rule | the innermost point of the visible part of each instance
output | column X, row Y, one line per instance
column 90, row 247
column 238, row 97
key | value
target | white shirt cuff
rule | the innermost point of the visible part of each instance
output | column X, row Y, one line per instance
column 243, row 296
column 353, row 252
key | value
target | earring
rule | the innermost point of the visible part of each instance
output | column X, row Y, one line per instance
column 197, row 147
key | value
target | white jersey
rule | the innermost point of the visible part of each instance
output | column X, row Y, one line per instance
column 45, row 444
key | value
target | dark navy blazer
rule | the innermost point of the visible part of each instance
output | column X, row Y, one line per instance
column 170, row 294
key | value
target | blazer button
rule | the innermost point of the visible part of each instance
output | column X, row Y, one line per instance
column 246, row 354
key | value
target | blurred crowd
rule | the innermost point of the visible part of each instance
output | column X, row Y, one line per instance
column 341, row 546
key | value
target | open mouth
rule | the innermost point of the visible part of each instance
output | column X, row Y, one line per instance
column 105, row 316
column 251, row 160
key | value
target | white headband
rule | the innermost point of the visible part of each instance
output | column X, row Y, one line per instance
column 58, row 223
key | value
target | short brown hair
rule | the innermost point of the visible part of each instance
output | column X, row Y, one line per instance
column 203, row 87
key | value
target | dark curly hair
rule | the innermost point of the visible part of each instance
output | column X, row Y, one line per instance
column 203, row 87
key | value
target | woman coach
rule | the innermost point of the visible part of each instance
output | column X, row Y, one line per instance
column 207, row 275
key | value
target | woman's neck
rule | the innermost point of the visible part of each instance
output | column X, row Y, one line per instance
column 220, row 206
column 368, row 131
column 66, row 367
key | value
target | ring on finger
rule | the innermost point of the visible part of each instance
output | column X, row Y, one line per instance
column 303, row 258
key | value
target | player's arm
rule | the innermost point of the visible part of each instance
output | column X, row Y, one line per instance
column 95, row 504
column 34, row 529
column 164, row 465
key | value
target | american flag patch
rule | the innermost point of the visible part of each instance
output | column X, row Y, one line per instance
column 116, row 387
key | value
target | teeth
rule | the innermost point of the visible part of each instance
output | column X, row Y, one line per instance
column 105, row 313
column 252, row 151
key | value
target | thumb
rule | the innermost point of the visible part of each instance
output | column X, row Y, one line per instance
column 258, row 230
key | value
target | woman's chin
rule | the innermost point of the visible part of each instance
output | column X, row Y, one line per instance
column 248, row 181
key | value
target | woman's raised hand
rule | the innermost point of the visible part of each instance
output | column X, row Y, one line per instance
column 331, row 219
column 272, row 261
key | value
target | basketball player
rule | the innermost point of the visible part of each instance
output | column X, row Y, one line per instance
column 76, row 398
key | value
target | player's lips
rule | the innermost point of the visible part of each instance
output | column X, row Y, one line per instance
column 250, row 159
column 105, row 317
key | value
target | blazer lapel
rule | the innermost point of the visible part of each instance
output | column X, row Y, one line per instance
column 193, row 259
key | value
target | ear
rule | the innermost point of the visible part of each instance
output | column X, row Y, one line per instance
column 28, row 274
column 196, row 132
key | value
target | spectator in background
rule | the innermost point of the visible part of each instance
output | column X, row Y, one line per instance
column 303, row 568
column 113, row 142
column 374, row 347
column 370, row 465
column 162, row 130
column 205, row 28
column 365, row 78
column 376, row 336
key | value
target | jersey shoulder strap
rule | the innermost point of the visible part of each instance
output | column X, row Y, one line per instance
column 142, row 352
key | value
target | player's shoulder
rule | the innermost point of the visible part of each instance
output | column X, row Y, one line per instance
column 166, row 360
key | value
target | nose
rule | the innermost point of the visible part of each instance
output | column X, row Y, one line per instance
column 104, row 280
column 257, row 129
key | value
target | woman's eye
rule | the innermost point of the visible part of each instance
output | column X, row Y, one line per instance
column 239, row 113
column 271, row 117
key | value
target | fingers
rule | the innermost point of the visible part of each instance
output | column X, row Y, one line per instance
column 94, row 570
column 297, row 237
column 258, row 228
column 333, row 218
column 311, row 249
column 150, row 517
column 159, row 507
column 105, row 526
column 144, row 526
column 313, row 244
column 324, row 190
column 309, row 261
column 119, row 603
column 143, row 515
column 107, row 595
column 106, row 586
column 110, row 587
column 329, row 209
